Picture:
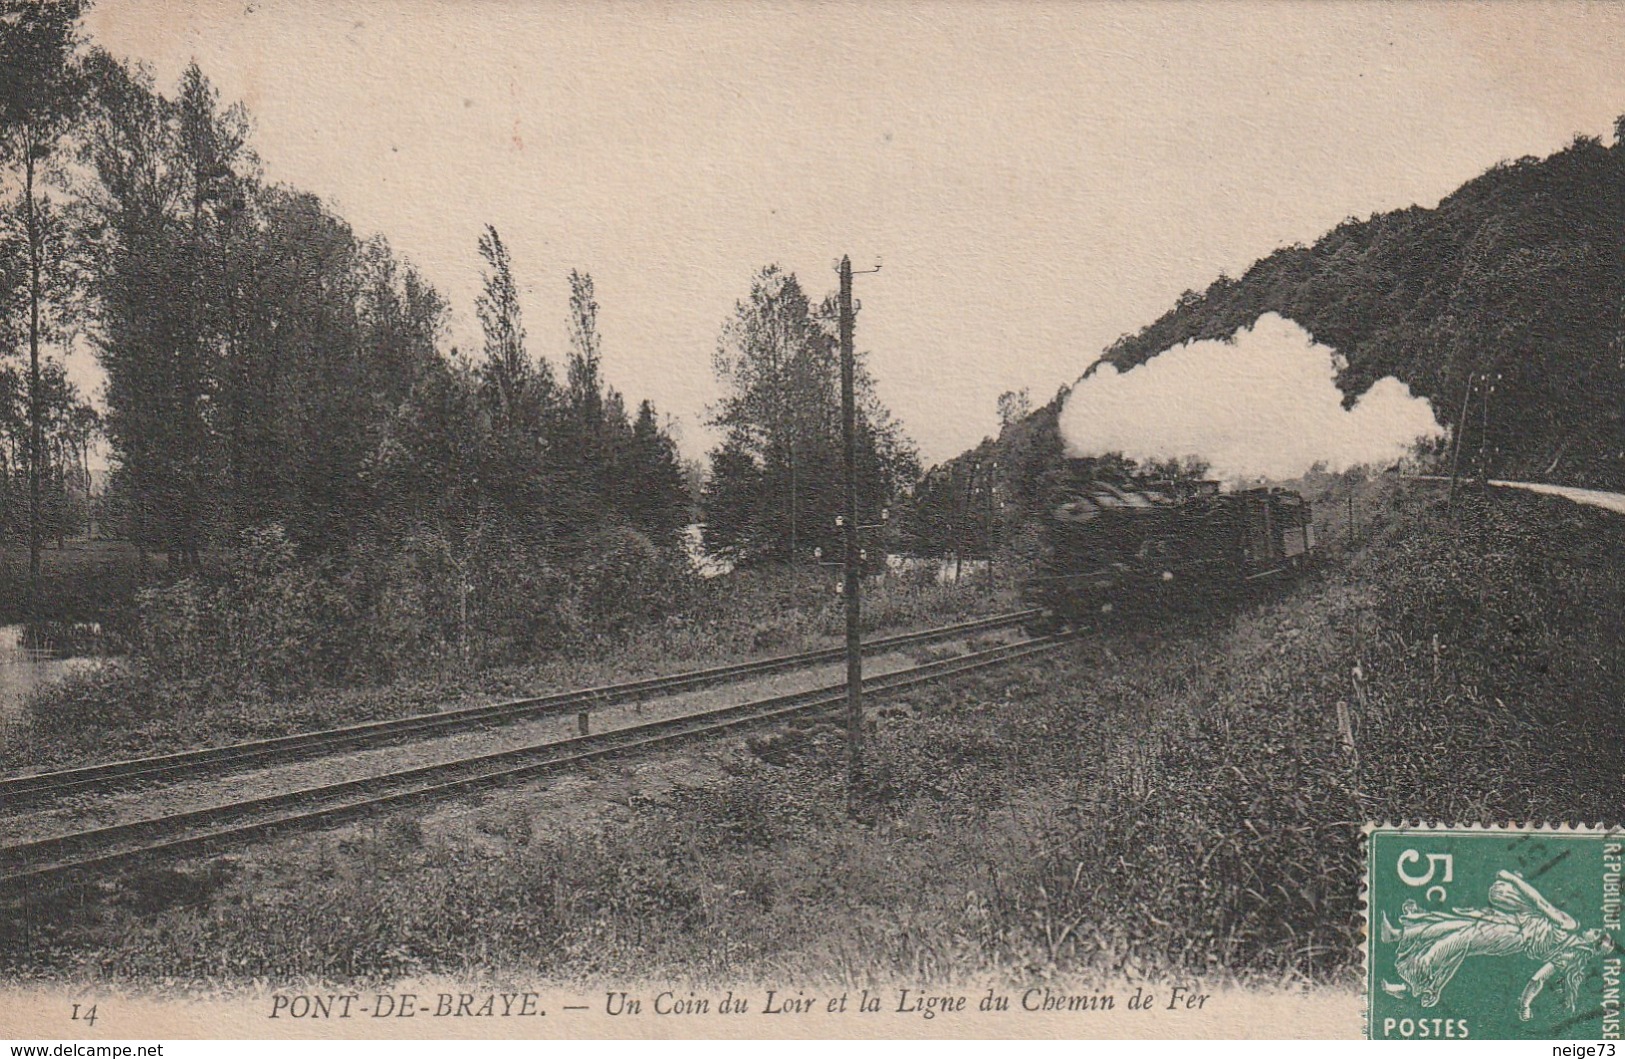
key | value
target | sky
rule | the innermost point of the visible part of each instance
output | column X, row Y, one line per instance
column 1034, row 178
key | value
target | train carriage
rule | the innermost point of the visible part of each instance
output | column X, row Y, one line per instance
column 1117, row 547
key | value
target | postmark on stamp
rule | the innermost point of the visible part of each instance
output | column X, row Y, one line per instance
column 1498, row 933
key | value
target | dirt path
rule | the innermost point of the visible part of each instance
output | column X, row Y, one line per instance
column 1614, row 502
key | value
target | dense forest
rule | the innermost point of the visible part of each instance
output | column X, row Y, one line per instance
column 277, row 397
column 265, row 364
column 1504, row 306
column 291, row 442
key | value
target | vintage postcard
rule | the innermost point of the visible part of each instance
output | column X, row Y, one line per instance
column 548, row 519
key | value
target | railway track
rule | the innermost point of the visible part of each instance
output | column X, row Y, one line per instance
column 18, row 790
column 28, row 868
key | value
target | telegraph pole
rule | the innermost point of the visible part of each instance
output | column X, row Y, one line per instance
column 853, row 574
column 854, row 649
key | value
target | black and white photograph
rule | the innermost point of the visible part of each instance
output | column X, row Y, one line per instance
column 546, row 519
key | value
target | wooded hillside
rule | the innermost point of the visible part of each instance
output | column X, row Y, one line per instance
column 1517, row 278
column 1513, row 285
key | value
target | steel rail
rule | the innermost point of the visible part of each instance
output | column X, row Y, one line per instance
column 25, row 865
column 15, row 790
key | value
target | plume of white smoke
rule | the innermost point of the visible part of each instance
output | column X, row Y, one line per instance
column 1264, row 405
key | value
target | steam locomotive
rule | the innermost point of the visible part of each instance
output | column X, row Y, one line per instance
column 1127, row 547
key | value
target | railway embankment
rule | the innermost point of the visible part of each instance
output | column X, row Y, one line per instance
column 1178, row 800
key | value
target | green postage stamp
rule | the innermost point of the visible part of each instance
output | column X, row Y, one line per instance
column 1498, row 933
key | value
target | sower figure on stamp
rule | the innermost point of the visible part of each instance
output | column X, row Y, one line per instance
column 1519, row 921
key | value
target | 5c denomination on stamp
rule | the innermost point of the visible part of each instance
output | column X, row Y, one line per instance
column 1501, row 933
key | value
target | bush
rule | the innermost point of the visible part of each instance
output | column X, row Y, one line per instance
column 625, row 579
column 1184, row 799
column 263, row 641
column 416, row 609
column 269, row 622
column 519, row 602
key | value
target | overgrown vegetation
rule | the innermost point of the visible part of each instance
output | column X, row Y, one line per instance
column 274, row 376
column 46, row 427
column 270, row 371
column 269, row 646
column 1178, row 800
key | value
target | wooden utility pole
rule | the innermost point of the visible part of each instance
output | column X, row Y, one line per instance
column 852, row 573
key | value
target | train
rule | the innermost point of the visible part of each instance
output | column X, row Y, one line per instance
column 1127, row 547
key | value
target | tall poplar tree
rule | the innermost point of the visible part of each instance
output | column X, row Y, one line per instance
column 519, row 396
column 40, row 93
